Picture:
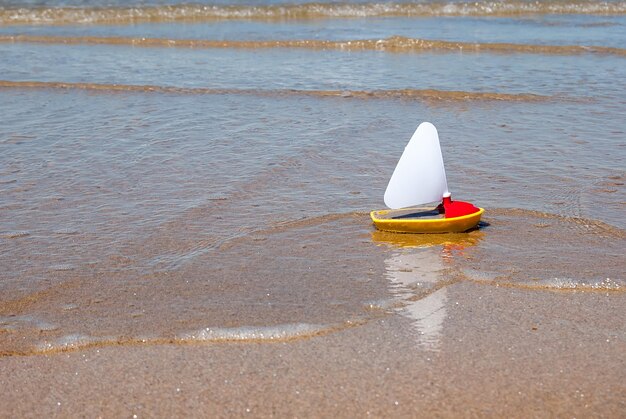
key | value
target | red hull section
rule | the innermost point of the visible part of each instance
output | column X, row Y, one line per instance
column 453, row 209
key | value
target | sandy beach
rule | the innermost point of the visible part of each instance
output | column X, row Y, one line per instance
column 502, row 352
column 184, row 209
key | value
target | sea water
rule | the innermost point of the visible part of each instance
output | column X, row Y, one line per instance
column 174, row 172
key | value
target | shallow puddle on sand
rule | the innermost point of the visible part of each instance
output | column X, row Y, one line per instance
column 310, row 277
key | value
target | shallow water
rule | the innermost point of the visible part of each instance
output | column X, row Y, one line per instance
column 550, row 30
column 182, row 193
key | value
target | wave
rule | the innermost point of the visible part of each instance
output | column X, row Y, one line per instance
column 393, row 44
column 13, row 234
column 409, row 94
column 535, row 250
column 209, row 335
column 552, row 284
column 582, row 225
column 196, row 12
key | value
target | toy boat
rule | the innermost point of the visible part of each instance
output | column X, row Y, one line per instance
column 419, row 179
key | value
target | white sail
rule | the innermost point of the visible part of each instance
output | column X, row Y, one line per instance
column 419, row 177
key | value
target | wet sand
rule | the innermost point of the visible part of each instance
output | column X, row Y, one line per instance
column 144, row 289
column 502, row 352
column 413, row 333
column 184, row 198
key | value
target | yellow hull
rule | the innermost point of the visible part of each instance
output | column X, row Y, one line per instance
column 392, row 220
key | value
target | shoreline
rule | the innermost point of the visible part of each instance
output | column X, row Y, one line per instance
column 500, row 351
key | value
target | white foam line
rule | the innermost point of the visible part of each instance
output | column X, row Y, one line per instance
column 246, row 333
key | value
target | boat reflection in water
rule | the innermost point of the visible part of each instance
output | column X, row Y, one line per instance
column 418, row 270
